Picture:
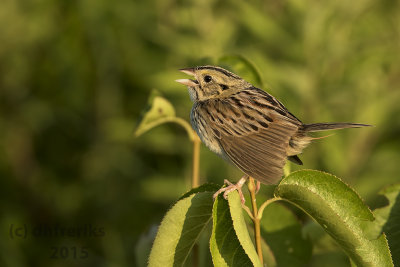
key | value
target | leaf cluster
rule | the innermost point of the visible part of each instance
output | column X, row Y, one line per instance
column 325, row 198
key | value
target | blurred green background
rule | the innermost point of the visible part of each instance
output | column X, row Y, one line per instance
column 75, row 76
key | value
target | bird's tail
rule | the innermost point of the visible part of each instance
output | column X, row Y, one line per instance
column 316, row 127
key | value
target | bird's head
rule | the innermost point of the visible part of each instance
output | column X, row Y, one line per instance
column 212, row 82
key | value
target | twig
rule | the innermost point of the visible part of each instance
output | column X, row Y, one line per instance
column 196, row 161
column 264, row 205
column 195, row 183
column 248, row 211
column 256, row 220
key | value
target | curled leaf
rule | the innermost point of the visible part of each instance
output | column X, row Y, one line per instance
column 160, row 111
column 341, row 213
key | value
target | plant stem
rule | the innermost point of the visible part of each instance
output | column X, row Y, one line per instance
column 195, row 183
column 196, row 161
column 256, row 220
column 265, row 204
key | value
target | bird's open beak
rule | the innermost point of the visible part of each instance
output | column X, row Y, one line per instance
column 188, row 82
column 188, row 71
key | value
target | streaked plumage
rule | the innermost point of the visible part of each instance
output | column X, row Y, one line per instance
column 246, row 125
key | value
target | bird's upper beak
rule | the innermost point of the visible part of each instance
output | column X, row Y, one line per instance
column 188, row 82
column 188, row 71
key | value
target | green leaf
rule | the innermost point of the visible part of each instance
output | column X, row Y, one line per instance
column 340, row 211
column 230, row 243
column 160, row 111
column 389, row 218
column 180, row 229
column 239, row 224
column 283, row 233
column 243, row 67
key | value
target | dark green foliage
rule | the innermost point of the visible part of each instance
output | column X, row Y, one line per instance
column 388, row 218
column 75, row 76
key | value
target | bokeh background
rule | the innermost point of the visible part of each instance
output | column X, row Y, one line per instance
column 75, row 76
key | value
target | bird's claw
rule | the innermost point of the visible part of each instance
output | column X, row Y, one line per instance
column 232, row 187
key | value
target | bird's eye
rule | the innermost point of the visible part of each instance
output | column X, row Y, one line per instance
column 207, row 78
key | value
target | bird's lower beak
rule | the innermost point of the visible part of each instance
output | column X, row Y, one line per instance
column 188, row 82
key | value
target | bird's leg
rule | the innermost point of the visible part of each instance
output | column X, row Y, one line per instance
column 258, row 186
column 232, row 187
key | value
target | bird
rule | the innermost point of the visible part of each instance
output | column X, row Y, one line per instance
column 247, row 126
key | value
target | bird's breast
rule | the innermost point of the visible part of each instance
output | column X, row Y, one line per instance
column 204, row 131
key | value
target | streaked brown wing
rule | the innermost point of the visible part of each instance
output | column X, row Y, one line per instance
column 262, row 154
column 252, row 128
